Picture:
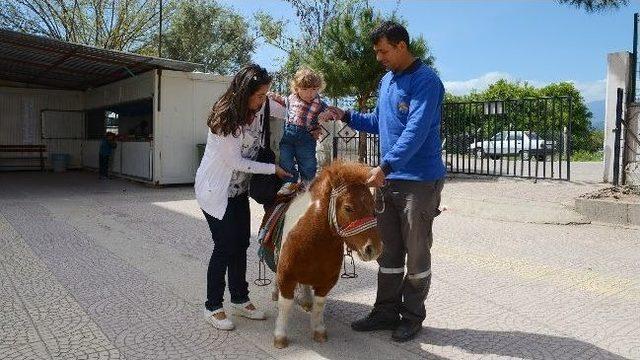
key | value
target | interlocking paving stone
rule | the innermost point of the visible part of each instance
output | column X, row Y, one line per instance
column 32, row 351
column 152, row 322
column 116, row 270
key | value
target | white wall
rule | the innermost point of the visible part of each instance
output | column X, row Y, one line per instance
column 20, row 112
column 134, row 88
column 181, row 123
column 618, row 67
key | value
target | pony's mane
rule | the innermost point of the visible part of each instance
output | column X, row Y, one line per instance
column 340, row 172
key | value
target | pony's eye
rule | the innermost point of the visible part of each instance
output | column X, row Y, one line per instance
column 348, row 208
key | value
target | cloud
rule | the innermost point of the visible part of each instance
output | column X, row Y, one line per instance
column 481, row 83
column 590, row 90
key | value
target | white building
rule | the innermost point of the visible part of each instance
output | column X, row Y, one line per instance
column 66, row 96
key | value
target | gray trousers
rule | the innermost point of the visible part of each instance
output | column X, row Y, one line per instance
column 405, row 226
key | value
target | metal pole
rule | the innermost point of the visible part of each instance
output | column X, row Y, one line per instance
column 160, row 33
column 616, row 145
column 569, row 146
column 634, row 62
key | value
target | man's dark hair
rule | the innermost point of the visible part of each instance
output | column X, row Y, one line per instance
column 392, row 31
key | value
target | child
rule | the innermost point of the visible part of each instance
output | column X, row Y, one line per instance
column 106, row 150
column 301, row 129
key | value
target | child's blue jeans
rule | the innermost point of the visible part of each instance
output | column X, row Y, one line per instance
column 298, row 146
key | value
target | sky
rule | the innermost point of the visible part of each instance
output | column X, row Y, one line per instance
column 476, row 43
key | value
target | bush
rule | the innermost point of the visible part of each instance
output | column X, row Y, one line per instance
column 584, row 155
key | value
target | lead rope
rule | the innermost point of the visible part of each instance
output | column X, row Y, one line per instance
column 379, row 196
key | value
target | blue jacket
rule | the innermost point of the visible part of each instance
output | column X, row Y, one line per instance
column 106, row 149
column 407, row 117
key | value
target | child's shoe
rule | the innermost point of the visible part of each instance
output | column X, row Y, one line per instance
column 287, row 189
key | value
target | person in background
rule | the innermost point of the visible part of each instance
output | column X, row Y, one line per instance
column 106, row 150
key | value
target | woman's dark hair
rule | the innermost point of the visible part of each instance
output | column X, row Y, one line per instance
column 392, row 31
column 232, row 111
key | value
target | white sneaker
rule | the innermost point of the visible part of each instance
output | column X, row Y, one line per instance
column 241, row 310
column 286, row 189
column 224, row 324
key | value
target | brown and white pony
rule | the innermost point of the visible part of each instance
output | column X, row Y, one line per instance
column 338, row 209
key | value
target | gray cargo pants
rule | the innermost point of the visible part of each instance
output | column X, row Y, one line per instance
column 405, row 226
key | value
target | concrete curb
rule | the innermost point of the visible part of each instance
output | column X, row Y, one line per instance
column 611, row 212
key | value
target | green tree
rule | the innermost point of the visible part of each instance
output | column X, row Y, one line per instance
column 312, row 16
column 205, row 32
column 346, row 57
column 125, row 25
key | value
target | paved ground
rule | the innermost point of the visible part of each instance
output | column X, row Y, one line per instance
column 115, row 269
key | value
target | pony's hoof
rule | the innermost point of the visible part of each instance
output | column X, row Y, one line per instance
column 306, row 306
column 280, row 342
column 320, row 336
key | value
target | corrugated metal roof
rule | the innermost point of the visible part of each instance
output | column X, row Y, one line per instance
column 53, row 63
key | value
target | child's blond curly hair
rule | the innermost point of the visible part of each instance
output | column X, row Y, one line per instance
column 306, row 78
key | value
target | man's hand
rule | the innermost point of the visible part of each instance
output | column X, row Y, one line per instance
column 376, row 177
column 332, row 113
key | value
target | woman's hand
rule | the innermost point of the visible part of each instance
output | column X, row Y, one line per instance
column 282, row 173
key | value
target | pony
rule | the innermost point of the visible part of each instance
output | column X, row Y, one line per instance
column 337, row 209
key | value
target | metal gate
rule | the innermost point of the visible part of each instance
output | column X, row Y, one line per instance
column 529, row 138
column 351, row 145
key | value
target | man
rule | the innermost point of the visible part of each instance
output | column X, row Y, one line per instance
column 411, row 174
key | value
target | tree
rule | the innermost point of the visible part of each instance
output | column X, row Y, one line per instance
column 346, row 57
column 205, row 32
column 125, row 25
column 312, row 17
column 596, row 5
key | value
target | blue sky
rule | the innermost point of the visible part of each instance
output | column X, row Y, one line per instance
column 478, row 42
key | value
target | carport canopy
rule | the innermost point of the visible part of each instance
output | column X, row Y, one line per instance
column 35, row 60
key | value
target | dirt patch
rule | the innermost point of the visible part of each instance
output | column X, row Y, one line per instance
column 620, row 193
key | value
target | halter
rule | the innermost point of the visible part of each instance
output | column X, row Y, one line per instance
column 355, row 227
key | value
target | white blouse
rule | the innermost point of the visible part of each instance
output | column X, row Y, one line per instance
column 222, row 156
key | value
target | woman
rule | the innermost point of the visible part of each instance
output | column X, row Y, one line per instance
column 221, row 187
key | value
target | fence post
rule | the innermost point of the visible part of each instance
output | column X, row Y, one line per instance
column 335, row 147
column 616, row 144
column 634, row 63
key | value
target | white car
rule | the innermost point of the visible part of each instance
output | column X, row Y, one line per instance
column 522, row 143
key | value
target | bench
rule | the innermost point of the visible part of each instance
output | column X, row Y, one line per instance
column 41, row 149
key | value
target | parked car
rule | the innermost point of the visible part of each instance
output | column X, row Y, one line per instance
column 522, row 143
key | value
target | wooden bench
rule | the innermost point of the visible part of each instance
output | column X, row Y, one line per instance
column 41, row 149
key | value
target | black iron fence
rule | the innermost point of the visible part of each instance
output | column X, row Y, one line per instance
column 353, row 146
column 528, row 138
